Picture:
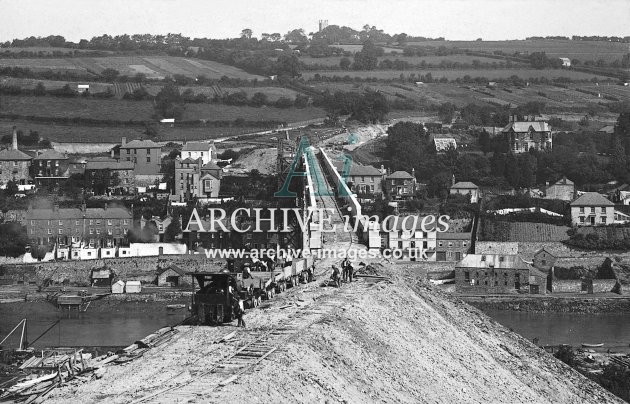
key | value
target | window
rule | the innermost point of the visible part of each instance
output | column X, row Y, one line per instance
column 603, row 210
column 76, row 223
column 32, row 222
column 483, row 258
column 109, row 222
column 148, row 151
column 148, row 159
column 98, row 231
column 48, row 222
column 581, row 219
column 581, row 209
column 98, row 222
column 49, row 231
column 125, row 221
column 124, row 230
column 128, row 151
column 450, row 243
column 91, row 230
column 372, row 179
column 603, row 219
column 91, row 222
column 464, row 243
column 60, row 231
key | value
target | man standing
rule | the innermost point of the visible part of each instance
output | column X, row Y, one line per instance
column 350, row 271
column 239, row 312
column 344, row 269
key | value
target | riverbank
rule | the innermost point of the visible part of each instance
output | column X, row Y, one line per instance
column 551, row 304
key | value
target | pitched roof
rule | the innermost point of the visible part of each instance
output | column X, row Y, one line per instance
column 537, row 126
column 592, row 199
column 13, row 155
column 400, row 175
column 198, row 146
column 210, row 166
column 453, row 236
column 563, row 181
column 109, row 165
column 173, row 267
column 357, row 169
column 497, row 261
column 138, row 144
column 51, row 154
column 464, row 185
column 188, row 160
column 76, row 213
column 209, row 176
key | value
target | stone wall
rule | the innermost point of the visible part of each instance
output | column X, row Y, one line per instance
column 566, row 286
column 604, row 286
column 78, row 272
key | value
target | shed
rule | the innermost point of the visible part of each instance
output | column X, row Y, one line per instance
column 133, row 287
column 118, row 287
column 171, row 276
column 102, row 277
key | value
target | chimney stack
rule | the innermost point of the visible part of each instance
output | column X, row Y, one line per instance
column 15, row 142
column 123, row 141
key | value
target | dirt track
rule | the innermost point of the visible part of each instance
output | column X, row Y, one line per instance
column 390, row 342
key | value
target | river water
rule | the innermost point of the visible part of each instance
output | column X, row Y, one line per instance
column 119, row 327
column 613, row 330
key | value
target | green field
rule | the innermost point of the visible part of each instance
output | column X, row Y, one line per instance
column 155, row 67
column 434, row 60
column 490, row 74
column 582, row 50
column 143, row 110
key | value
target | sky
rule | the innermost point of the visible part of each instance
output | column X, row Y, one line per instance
column 452, row 19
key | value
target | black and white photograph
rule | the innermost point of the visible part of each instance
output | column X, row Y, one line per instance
column 337, row 201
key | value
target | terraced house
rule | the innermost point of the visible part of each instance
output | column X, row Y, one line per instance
column 50, row 167
column 94, row 227
column 145, row 154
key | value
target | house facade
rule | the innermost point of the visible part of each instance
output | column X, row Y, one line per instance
column 592, row 209
column 14, row 164
column 96, row 227
column 563, row 189
column 362, row 180
column 494, row 273
column 408, row 242
column 525, row 135
column 193, row 179
column 145, row 154
column 452, row 246
column 50, row 167
column 110, row 176
column 400, row 185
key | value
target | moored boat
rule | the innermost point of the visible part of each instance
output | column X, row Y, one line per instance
column 592, row 345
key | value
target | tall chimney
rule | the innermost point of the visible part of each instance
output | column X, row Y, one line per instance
column 123, row 141
column 15, row 144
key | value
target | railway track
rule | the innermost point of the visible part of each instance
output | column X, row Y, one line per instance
column 258, row 348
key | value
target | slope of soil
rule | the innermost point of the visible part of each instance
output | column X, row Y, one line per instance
column 387, row 343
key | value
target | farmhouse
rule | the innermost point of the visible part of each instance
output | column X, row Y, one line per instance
column 525, row 135
column 194, row 150
column 592, row 209
column 563, row 189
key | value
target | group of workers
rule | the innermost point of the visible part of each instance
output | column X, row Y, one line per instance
column 345, row 275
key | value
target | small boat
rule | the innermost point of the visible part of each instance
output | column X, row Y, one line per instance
column 592, row 345
column 175, row 306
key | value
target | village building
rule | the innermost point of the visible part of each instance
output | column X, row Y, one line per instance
column 452, row 246
column 525, row 135
column 145, row 154
column 406, row 241
column 592, row 209
column 195, row 150
column 494, row 273
column 443, row 143
column 400, row 185
column 563, row 189
column 14, row 164
column 544, row 260
column 50, row 168
column 362, row 180
column 466, row 188
column 95, row 227
column 107, row 176
column 76, row 165
column 194, row 179
column 172, row 276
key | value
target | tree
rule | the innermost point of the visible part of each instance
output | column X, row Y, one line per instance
column 13, row 239
column 11, row 189
column 296, row 36
column 287, row 64
column 110, row 74
column 173, row 230
column 345, row 63
column 39, row 90
column 446, row 112
column 367, row 58
column 169, row 103
column 622, row 130
column 246, row 33
column 258, row 100
column 484, row 142
column 73, row 186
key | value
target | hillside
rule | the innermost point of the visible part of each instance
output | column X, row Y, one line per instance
column 384, row 343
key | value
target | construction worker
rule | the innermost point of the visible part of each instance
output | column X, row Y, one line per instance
column 350, row 271
column 336, row 276
column 239, row 312
column 344, row 268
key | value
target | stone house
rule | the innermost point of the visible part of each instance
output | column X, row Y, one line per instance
column 563, row 189
column 14, row 164
column 195, row 150
column 362, row 180
column 408, row 242
column 110, row 176
column 194, row 179
column 592, row 209
column 466, row 188
column 50, row 167
column 494, row 273
column 172, row 276
column 522, row 136
column 452, row 246
column 145, row 154
column 400, row 184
